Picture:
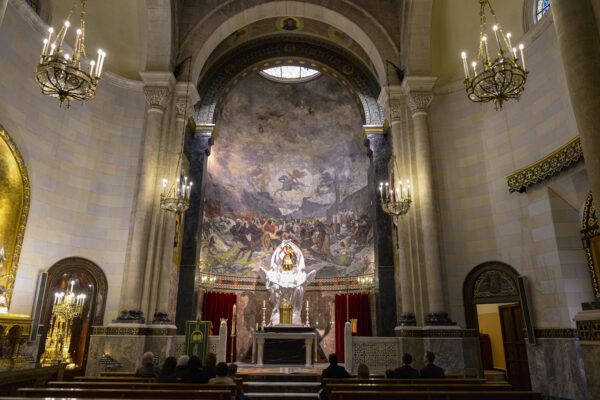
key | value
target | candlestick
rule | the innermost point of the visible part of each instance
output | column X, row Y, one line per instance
column 45, row 48
column 521, row 47
column 264, row 303
column 486, row 58
column 495, row 29
column 92, row 65
column 474, row 65
column 52, row 47
column 62, row 38
column 76, row 48
column 101, row 64
column 508, row 36
column 464, row 59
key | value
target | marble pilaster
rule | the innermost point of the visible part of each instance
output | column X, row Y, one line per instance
column 197, row 149
column 588, row 330
column 137, row 276
column 579, row 42
column 377, row 141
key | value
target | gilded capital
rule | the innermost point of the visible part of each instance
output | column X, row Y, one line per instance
column 419, row 102
column 157, row 96
column 183, row 108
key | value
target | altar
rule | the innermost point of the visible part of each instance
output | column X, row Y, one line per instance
column 284, row 344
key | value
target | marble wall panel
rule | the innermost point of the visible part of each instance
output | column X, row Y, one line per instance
column 590, row 352
column 127, row 350
column 557, row 369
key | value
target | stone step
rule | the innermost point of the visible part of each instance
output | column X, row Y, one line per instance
column 282, row 387
column 286, row 396
column 493, row 375
column 283, row 378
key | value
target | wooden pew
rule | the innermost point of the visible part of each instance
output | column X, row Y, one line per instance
column 113, row 374
column 126, row 394
column 467, row 381
column 111, row 379
column 431, row 395
column 148, row 385
column 383, row 387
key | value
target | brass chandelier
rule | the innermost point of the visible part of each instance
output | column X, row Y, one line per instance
column 496, row 79
column 395, row 201
column 60, row 74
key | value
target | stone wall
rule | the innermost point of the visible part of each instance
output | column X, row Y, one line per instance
column 82, row 162
column 535, row 232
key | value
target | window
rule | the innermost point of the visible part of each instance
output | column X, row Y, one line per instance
column 542, row 7
column 290, row 73
column 34, row 4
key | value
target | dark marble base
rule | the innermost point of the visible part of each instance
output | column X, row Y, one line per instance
column 284, row 351
column 592, row 305
column 289, row 328
column 161, row 318
column 130, row 316
column 439, row 318
column 407, row 319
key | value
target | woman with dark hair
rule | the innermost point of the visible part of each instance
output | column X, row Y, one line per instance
column 194, row 371
column 167, row 372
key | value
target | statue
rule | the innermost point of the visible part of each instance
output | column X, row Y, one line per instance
column 286, row 280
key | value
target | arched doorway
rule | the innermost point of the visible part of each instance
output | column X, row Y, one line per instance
column 89, row 279
column 493, row 306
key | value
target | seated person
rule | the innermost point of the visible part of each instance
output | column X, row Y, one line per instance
column 209, row 368
column 167, row 372
column 221, row 371
column 406, row 371
column 194, row 373
column 431, row 370
column 182, row 366
column 389, row 373
column 363, row 371
column 148, row 369
column 334, row 370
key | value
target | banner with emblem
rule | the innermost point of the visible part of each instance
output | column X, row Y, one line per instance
column 196, row 338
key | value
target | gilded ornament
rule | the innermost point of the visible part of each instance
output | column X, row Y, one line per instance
column 590, row 235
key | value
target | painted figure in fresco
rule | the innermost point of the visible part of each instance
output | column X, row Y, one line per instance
column 291, row 181
column 286, row 279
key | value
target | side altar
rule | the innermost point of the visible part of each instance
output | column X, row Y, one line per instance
column 284, row 339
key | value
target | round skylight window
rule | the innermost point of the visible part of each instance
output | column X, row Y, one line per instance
column 290, row 73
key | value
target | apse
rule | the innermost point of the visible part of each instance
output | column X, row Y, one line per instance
column 289, row 163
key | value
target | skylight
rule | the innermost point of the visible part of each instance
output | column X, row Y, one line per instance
column 290, row 73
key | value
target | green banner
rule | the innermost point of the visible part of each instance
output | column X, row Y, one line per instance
column 196, row 338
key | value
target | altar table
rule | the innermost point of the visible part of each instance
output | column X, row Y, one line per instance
column 259, row 338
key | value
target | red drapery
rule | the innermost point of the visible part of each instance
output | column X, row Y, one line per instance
column 216, row 306
column 358, row 307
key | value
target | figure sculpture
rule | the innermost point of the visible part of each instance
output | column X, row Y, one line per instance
column 286, row 279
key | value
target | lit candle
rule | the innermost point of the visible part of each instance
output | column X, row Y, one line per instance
column 386, row 191
column 76, row 48
column 264, row 303
column 52, row 47
column 495, row 29
column 101, row 63
column 50, row 31
column 508, row 36
column 408, row 187
column 62, row 38
column 486, row 59
column 464, row 60
column 401, row 192
column 521, row 47
column 99, row 56
column 514, row 49
column 381, row 190
column 45, row 48
column 307, row 304
column 92, row 65
column 474, row 65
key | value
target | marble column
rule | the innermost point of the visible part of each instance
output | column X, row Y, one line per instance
column 197, row 149
column 579, row 42
column 419, row 96
column 137, row 277
column 376, row 139
column 186, row 96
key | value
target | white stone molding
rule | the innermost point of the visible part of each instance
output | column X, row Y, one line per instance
column 157, row 96
column 419, row 102
column 391, row 100
column 185, row 93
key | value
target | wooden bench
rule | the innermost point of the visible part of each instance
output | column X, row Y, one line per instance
column 147, row 385
column 434, row 395
column 111, row 379
column 467, row 381
column 114, row 374
column 126, row 394
column 383, row 387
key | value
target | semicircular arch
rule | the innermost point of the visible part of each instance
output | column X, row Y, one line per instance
column 230, row 16
column 337, row 63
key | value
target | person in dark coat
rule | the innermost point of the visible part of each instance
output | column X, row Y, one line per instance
column 406, row 371
column 181, row 370
column 194, row 373
column 431, row 370
column 167, row 372
column 148, row 369
column 209, row 370
column 333, row 371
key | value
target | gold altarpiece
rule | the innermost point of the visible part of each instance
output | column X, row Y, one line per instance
column 14, row 209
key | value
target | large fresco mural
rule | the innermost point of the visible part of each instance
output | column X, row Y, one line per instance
column 288, row 164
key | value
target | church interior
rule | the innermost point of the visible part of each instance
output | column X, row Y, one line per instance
column 268, row 182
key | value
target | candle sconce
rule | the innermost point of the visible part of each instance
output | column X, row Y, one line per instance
column 395, row 201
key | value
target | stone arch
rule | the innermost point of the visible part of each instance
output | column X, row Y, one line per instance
column 489, row 282
column 330, row 59
column 86, row 272
column 15, row 191
column 230, row 16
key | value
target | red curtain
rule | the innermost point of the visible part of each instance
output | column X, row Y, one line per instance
column 216, row 306
column 358, row 307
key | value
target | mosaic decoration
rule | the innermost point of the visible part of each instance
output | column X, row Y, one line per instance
column 567, row 155
column 376, row 354
column 105, row 330
column 494, row 283
column 589, row 330
column 590, row 235
column 555, row 333
column 288, row 164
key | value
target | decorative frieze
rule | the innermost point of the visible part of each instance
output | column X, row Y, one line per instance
column 555, row 333
column 545, row 168
column 437, row 333
column 133, row 331
column 589, row 330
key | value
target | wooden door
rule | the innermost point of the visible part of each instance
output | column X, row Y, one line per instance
column 513, row 337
